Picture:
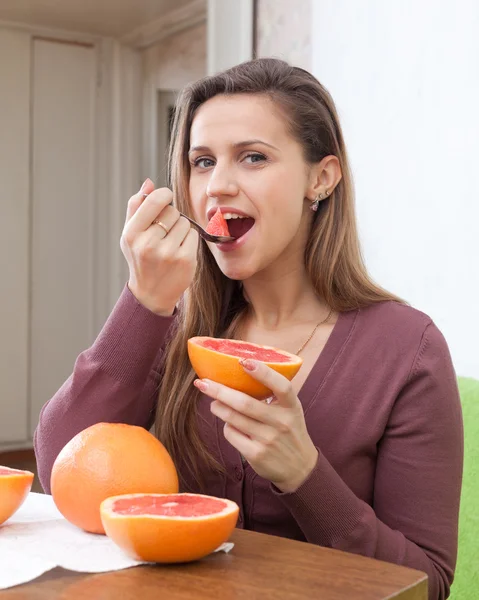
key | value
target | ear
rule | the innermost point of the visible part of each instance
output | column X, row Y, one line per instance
column 323, row 177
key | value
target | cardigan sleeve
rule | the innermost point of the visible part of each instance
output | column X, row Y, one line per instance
column 115, row 380
column 413, row 520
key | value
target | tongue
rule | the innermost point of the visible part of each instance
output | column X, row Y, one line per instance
column 238, row 227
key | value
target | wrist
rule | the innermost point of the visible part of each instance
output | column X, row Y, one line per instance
column 291, row 485
column 162, row 310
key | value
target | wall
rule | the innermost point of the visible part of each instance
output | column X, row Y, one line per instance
column 169, row 65
column 230, row 33
column 283, row 30
column 405, row 77
column 177, row 60
column 123, row 78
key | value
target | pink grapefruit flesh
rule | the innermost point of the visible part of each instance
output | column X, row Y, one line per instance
column 246, row 350
column 218, row 224
column 169, row 506
column 8, row 471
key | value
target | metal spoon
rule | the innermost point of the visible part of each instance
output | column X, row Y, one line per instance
column 208, row 237
column 216, row 239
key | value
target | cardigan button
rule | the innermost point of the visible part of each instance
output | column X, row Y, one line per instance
column 238, row 473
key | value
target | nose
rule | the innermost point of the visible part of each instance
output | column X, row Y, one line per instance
column 221, row 182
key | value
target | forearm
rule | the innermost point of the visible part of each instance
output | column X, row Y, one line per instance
column 331, row 515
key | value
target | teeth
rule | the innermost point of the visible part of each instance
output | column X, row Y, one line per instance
column 233, row 216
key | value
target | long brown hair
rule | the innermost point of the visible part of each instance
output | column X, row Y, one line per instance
column 332, row 256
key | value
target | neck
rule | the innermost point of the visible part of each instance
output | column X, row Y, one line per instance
column 281, row 296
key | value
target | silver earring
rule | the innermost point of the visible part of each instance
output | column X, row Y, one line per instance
column 315, row 203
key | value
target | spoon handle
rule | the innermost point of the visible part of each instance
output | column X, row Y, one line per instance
column 208, row 237
column 216, row 239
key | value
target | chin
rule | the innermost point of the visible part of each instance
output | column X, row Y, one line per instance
column 238, row 272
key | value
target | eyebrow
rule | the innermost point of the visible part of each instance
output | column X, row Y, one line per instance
column 236, row 146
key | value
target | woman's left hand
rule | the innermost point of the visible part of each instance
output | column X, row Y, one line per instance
column 272, row 437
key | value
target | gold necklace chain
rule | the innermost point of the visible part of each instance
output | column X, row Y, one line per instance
column 314, row 331
column 310, row 337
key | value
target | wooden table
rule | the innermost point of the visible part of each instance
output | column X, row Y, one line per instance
column 259, row 566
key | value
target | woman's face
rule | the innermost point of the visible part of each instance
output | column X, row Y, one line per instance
column 244, row 161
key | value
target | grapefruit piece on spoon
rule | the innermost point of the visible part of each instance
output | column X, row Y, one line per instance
column 218, row 225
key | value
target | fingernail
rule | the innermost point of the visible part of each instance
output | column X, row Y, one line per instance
column 201, row 385
column 249, row 364
column 144, row 184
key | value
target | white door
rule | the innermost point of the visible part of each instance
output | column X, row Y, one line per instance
column 14, row 237
column 47, row 229
column 63, row 227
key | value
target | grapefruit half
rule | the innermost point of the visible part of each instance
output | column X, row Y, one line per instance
column 168, row 528
column 219, row 360
column 15, row 486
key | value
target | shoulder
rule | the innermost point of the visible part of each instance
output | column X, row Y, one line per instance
column 394, row 317
column 394, row 320
column 399, row 331
column 405, row 350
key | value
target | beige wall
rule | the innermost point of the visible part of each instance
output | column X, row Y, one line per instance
column 177, row 60
column 284, row 30
column 168, row 66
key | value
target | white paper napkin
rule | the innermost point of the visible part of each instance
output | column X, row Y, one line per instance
column 37, row 538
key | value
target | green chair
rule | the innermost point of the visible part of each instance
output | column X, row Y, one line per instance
column 466, row 581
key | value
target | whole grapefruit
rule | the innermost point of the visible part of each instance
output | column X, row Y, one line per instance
column 107, row 459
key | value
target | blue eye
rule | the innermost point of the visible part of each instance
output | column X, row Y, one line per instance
column 207, row 163
column 255, row 157
column 203, row 163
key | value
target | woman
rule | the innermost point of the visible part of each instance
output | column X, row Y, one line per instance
column 362, row 451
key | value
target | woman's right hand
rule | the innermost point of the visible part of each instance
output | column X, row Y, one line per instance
column 162, row 264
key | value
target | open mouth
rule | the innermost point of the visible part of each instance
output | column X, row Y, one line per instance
column 237, row 224
column 228, row 223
